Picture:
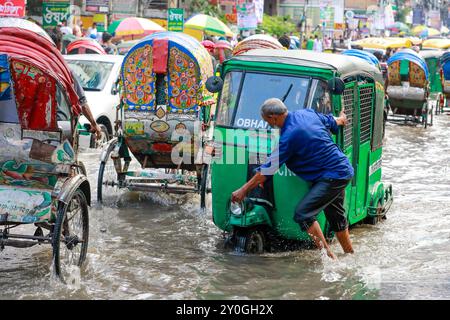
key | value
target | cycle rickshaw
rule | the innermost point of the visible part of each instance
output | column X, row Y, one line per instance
column 408, row 88
column 164, row 112
column 433, row 61
column 42, row 185
column 445, row 63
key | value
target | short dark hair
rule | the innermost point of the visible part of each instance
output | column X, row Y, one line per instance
column 106, row 36
column 285, row 41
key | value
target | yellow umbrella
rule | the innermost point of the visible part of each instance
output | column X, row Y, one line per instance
column 433, row 32
column 430, row 32
column 209, row 25
column 418, row 29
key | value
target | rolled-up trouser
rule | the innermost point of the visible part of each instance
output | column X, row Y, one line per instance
column 328, row 195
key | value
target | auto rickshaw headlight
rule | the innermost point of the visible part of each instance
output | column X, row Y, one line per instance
column 236, row 208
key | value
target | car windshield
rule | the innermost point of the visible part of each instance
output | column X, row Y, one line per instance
column 93, row 75
column 298, row 92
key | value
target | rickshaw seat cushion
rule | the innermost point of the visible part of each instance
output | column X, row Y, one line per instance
column 409, row 93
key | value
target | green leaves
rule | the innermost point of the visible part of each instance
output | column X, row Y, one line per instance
column 276, row 25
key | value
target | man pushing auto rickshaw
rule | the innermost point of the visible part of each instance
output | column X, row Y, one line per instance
column 307, row 149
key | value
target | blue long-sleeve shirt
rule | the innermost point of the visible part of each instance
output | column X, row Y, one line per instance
column 307, row 149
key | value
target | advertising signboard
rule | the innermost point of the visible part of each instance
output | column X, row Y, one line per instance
column 97, row 6
column 12, row 8
column 175, row 19
column 54, row 13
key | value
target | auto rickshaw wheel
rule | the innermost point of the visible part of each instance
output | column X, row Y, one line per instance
column 108, row 178
column 252, row 241
column 70, row 236
column 373, row 220
column 205, row 185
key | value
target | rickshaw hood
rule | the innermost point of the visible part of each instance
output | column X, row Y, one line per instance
column 34, row 49
column 86, row 44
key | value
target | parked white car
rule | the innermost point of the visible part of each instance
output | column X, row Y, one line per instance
column 98, row 75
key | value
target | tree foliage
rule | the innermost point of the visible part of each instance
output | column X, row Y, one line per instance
column 203, row 6
column 277, row 25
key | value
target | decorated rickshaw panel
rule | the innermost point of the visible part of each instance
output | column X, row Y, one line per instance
column 417, row 77
column 138, row 79
column 158, row 108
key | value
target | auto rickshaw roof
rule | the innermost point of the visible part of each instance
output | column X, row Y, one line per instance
column 384, row 43
column 431, row 54
column 344, row 65
column 436, row 43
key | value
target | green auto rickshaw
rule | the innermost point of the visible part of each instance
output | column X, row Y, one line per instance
column 242, row 141
column 436, row 78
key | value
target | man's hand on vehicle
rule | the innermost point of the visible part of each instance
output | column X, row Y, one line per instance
column 97, row 130
column 342, row 120
column 238, row 195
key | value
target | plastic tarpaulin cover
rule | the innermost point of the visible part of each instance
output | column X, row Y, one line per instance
column 369, row 57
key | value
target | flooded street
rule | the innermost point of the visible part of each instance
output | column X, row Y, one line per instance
column 157, row 246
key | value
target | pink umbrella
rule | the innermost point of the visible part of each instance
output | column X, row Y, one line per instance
column 137, row 27
column 209, row 45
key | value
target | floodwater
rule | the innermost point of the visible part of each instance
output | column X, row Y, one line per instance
column 157, row 246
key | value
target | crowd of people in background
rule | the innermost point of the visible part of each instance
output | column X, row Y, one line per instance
column 105, row 39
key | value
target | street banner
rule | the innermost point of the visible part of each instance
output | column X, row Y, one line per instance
column 448, row 17
column 231, row 2
column 12, row 8
column 175, row 19
column 259, row 10
column 97, row 6
column 434, row 19
column 418, row 16
column 246, row 16
column 54, row 13
column 101, row 21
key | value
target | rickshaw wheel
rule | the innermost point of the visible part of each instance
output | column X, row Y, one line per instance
column 97, row 144
column 250, row 241
column 205, row 185
column 70, row 235
column 108, row 178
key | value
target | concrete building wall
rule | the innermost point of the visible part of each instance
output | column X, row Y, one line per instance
column 360, row 4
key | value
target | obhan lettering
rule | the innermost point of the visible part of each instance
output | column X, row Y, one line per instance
column 246, row 309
